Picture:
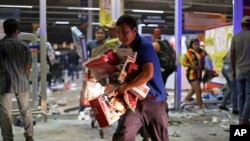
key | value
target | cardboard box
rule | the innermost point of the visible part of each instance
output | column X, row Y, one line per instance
column 105, row 110
column 127, row 68
column 141, row 91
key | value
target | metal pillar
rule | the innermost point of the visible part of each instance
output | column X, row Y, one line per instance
column 237, row 15
column 178, row 35
column 43, row 54
column 90, row 20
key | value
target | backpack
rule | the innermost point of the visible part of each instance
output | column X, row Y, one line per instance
column 167, row 56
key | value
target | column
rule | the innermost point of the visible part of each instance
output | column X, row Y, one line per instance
column 178, row 35
column 237, row 15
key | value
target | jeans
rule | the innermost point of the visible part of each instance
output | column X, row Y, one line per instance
column 72, row 70
column 232, row 93
column 5, row 112
column 243, row 88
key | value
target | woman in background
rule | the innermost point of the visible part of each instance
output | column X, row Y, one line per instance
column 193, row 60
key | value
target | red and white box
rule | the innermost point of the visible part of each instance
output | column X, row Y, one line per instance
column 93, row 90
column 107, row 111
column 124, row 72
column 141, row 91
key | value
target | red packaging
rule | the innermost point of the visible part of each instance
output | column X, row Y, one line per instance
column 100, row 65
column 105, row 110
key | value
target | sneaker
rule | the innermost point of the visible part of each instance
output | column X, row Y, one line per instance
column 201, row 112
column 224, row 108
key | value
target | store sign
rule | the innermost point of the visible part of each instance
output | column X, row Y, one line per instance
column 201, row 20
column 153, row 19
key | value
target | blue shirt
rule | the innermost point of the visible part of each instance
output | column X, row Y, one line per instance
column 93, row 44
column 146, row 54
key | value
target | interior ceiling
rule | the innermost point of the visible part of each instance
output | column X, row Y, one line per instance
column 56, row 10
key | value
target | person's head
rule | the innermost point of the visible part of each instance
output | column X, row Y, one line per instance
column 99, row 33
column 194, row 44
column 111, row 26
column 245, row 23
column 126, row 28
column 11, row 26
column 156, row 35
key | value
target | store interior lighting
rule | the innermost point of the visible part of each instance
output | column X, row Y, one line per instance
column 62, row 22
column 16, row 6
column 84, row 8
column 147, row 11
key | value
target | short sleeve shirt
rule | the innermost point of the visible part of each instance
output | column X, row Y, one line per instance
column 146, row 54
column 14, row 56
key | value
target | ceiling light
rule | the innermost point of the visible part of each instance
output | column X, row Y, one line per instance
column 95, row 23
column 152, row 25
column 84, row 8
column 62, row 22
column 147, row 11
column 17, row 6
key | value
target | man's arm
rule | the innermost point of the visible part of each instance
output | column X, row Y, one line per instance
column 142, row 78
column 232, row 57
column 156, row 46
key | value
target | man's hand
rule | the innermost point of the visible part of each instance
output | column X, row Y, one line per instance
column 121, row 90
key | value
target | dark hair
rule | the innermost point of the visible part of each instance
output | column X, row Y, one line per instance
column 99, row 27
column 10, row 26
column 126, row 19
column 192, row 42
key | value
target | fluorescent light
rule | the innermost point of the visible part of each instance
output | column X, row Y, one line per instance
column 152, row 25
column 62, row 22
column 84, row 8
column 147, row 11
column 95, row 23
column 17, row 6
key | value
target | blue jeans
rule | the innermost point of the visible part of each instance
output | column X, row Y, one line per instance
column 232, row 93
column 243, row 88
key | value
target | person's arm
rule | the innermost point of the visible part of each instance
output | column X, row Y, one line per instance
column 232, row 58
column 142, row 78
column 156, row 46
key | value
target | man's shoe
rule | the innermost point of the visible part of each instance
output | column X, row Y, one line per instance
column 29, row 138
column 224, row 108
column 243, row 122
column 235, row 112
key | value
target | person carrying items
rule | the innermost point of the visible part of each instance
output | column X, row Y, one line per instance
column 15, row 61
column 154, row 121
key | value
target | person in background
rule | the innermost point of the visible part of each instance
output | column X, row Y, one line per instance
column 113, row 40
column 193, row 60
column 73, row 64
column 154, row 121
column 240, row 61
column 164, row 47
column 15, row 58
column 100, row 35
column 50, row 57
column 99, row 40
column 232, row 92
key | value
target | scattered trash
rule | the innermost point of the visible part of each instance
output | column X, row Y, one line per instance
column 215, row 119
column 176, row 134
column 212, row 134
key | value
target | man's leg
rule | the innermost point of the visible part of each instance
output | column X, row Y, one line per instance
column 156, row 121
column 5, row 116
column 25, row 111
column 128, row 126
column 245, row 112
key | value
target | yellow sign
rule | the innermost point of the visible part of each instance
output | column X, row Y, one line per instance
column 105, row 11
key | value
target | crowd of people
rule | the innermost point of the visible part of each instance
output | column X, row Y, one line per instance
column 152, row 124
